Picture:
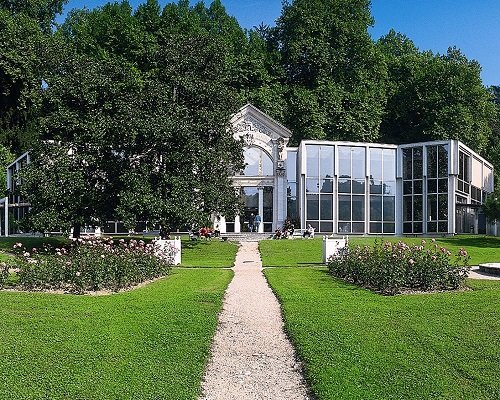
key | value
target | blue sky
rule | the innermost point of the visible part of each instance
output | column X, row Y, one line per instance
column 470, row 25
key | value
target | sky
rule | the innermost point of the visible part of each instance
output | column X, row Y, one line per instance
column 470, row 25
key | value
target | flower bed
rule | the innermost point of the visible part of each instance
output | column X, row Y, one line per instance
column 91, row 264
column 396, row 267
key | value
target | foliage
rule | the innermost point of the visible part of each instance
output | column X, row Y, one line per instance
column 151, row 342
column 395, row 267
column 334, row 73
column 491, row 206
column 433, row 97
column 4, row 273
column 92, row 264
column 357, row 344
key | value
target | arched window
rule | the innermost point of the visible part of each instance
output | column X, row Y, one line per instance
column 257, row 163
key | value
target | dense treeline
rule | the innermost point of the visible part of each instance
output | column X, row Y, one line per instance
column 140, row 99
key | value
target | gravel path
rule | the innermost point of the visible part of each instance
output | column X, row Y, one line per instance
column 251, row 356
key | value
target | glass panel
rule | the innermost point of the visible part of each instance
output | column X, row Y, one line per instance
column 443, row 206
column 326, row 206
column 358, row 227
column 268, row 204
column 327, row 186
column 443, row 226
column 291, row 189
column 358, row 186
column 292, row 211
column 432, row 207
column 358, row 162
column 389, row 208
column 432, row 161
column 389, row 228
column 375, row 208
column 344, row 227
column 312, row 185
column 432, row 186
column 326, row 161
column 417, row 227
column 250, row 197
column 407, row 208
column 344, row 208
column 314, row 224
column 443, row 185
column 417, row 163
column 431, row 226
column 375, row 187
column 312, row 153
column 390, row 188
column 291, row 166
column 417, row 208
column 376, row 164
column 312, row 206
column 252, row 160
column 407, row 227
column 389, row 165
column 407, row 164
column 344, row 186
column 375, row 227
column 344, row 161
column 267, row 165
column 358, row 208
column 326, row 227
column 407, row 187
column 443, row 160
column 417, row 187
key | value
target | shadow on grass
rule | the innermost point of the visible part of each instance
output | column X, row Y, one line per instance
column 481, row 241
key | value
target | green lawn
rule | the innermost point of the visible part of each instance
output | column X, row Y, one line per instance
column 359, row 345
column 208, row 253
column 299, row 252
column 149, row 343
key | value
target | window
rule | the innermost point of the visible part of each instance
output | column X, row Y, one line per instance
column 319, row 187
column 413, row 190
column 351, row 189
column 257, row 163
column 382, row 190
column 437, row 188
column 463, row 172
column 291, row 190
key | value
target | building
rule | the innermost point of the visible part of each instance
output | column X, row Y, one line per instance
column 340, row 187
column 357, row 188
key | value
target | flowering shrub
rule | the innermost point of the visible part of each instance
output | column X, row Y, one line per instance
column 4, row 274
column 92, row 264
column 394, row 267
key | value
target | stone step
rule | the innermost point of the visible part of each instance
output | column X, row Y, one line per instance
column 246, row 236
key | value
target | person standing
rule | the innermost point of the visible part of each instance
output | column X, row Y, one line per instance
column 251, row 222
column 257, row 222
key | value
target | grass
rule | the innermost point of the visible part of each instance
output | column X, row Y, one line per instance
column 285, row 253
column 359, row 345
column 208, row 253
column 149, row 343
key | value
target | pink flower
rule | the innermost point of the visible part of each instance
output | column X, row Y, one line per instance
column 433, row 240
column 423, row 241
column 434, row 258
column 78, row 273
column 411, row 261
column 103, row 256
column 26, row 254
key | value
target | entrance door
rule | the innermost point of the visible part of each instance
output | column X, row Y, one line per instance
column 257, row 201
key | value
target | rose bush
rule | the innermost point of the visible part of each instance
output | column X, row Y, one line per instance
column 395, row 267
column 91, row 264
column 4, row 274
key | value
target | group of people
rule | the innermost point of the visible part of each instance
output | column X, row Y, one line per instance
column 254, row 222
column 289, row 229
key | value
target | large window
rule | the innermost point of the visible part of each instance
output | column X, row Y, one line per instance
column 413, row 190
column 257, row 163
column 351, row 189
column 382, row 190
column 437, row 188
column 319, row 187
column 463, row 172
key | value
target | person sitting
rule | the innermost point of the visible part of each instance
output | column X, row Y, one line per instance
column 309, row 232
column 205, row 233
column 278, row 234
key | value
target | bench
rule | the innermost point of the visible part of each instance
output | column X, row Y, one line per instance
column 153, row 233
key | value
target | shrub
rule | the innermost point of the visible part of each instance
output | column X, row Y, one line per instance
column 394, row 267
column 92, row 264
column 4, row 274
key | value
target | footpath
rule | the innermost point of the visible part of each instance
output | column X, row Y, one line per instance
column 251, row 357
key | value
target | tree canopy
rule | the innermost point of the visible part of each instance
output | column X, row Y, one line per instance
column 134, row 104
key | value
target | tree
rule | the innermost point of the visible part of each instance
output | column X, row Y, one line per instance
column 433, row 97
column 333, row 70
column 491, row 207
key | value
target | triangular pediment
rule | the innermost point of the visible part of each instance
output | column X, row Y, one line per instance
column 250, row 119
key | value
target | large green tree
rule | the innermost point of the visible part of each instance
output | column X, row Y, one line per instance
column 334, row 73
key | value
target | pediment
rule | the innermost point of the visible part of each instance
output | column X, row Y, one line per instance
column 252, row 121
